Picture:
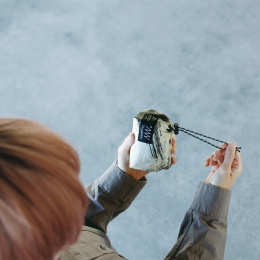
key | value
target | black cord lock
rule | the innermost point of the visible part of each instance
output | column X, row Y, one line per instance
column 176, row 128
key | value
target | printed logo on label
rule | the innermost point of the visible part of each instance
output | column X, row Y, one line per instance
column 146, row 129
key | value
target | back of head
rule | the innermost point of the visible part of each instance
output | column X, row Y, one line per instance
column 42, row 201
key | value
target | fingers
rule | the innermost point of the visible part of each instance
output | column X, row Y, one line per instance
column 237, row 156
column 174, row 149
column 213, row 160
column 207, row 162
column 237, row 160
column 223, row 145
column 219, row 155
column 124, row 148
column 174, row 159
column 237, row 164
column 173, row 139
column 229, row 155
column 129, row 141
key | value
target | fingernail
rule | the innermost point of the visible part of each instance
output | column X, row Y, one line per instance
column 232, row 146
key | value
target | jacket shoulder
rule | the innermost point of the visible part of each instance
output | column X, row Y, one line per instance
column 92, row 244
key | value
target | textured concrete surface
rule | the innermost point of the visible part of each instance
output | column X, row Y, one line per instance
column 85, row 68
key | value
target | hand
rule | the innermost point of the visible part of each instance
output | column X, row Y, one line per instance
column 124, row 157
column 226, row 166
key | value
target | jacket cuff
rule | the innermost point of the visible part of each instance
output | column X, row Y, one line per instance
column 211, row 200
column 119, row 185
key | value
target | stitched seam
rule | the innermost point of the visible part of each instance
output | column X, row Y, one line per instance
column 109, row 253
column 211, row 216
column 176, row 246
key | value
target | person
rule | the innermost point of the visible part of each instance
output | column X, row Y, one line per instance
column 204, row 228
column 42, row 201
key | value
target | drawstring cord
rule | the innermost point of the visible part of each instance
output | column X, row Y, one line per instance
column 176, row 130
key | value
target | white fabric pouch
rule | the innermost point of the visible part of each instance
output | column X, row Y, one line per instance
column 152, row 149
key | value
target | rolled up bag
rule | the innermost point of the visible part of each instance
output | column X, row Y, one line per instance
column 152, row 149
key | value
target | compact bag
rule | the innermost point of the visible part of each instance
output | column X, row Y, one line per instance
column 152, row 149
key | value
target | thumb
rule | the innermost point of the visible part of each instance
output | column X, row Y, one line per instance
column 126, row 145
column 229, row 155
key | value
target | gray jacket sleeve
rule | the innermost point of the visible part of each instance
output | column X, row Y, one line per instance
column 111, row 194
column 203, row 231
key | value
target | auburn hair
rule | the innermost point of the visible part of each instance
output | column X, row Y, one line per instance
column 42, row 201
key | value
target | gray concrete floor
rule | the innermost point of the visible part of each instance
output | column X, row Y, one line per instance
column 85, row 68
